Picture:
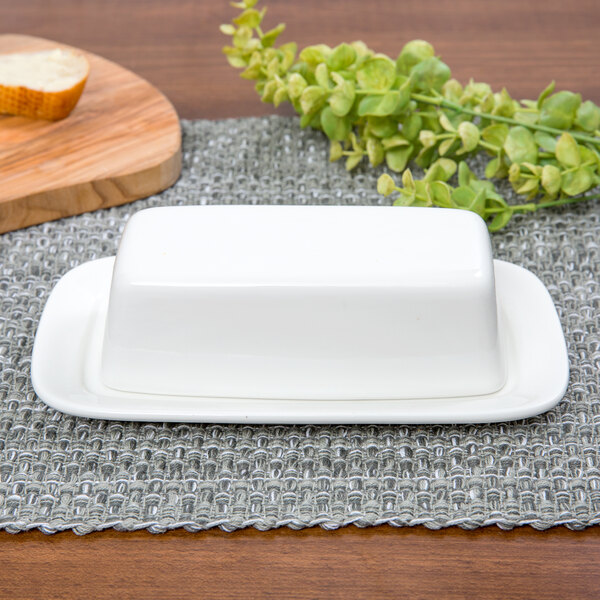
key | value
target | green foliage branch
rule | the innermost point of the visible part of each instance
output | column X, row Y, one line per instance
column 374, row 108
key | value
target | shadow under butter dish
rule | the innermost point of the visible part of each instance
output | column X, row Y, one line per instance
column 342, row 311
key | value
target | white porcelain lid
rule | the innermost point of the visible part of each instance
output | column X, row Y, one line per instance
column 303, row 245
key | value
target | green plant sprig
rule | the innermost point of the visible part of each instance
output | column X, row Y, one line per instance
column 410, row 109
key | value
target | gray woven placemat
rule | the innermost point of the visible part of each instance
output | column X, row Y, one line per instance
column 59, row 472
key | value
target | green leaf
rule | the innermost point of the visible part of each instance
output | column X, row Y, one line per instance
column 280, row 96
column 242, row 37
column 270, row 37
column 504, row 105
column 429, row 74
column 463, row 196
column 440, row 194
column 441, row 170
column 407, row 180
column 445, row 146
column 383, row 127
column 385, row 185
column 313, row 55
column 413, row 53
column 335, row 151
column 380, row 105
column 545, row 141
column 567, row 151
column 269, row 90
column 551, row 179
column 452, row 90
column 560, row 110
column 545, row 93
column 322, row 75
column 395, row 141
column 312, row 99
column 478, row 203
column 342, row 98
column 500, row 220
column 296, row 85
column 352, row 161
column 249, row 18
column 520, row 146
column 227, row 29
column 465, row 175
column 411, row 126
column 341, row 57
column 492, row 168
column 335, row 128
column 577, row 182
column 588, row 116
column 469, row 135
column 446, row 124
column 376, row 73
column 375, row 151
column 396, row 158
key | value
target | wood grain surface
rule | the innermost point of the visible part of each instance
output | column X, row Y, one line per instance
column 121, row 142
column 520, row 44
column 375, row 563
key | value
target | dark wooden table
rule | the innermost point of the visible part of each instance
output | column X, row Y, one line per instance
column 520, row 44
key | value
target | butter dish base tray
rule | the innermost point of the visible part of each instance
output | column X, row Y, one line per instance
column 65, row 367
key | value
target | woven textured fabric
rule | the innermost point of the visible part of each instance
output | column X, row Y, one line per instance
column 60, row 472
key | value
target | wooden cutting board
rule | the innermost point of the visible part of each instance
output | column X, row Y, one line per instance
column 122, row 142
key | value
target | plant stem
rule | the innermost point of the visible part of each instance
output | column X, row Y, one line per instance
column 457, row 107
column 567, row 201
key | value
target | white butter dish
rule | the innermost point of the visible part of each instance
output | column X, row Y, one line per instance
column 301, row 314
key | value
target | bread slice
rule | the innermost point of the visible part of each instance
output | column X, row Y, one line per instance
column 42, row 85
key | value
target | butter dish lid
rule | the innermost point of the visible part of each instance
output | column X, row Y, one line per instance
column 303, row 245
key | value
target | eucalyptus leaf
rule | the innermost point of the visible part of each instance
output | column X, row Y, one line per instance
column 492, row 168
column 352, row 161
column 429, row 74
column 588, row 116
column 463, row 196
column 380, row 105
column 545, row 93
column 376, row 73
column 335, row 128
column 495, row 134
column 342, row 98
column 249, row 18
column 469, row 135
column 411, row 126
column 312, row 99
column 551, row 179
column 396, row 158
column 413, row 53
column 395, row 141
column 313, row 55
column 441, row 170
column 545, row 141
column 383, row 127
column 440, row 194
column 375, row 151
column 578, row 181
column 567, row 152
column 560, row 109
column 520, row 146
column 335, row 151
column 500, row 220
column 296, row 85
column 385, row 185
column 341, row 57
column 270, row 37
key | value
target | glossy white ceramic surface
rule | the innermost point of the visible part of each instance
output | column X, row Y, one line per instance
column 303, row 302
column 65, row 367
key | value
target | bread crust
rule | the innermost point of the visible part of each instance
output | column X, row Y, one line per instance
column 52, row 106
